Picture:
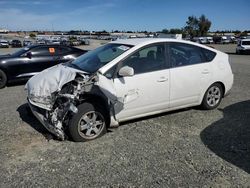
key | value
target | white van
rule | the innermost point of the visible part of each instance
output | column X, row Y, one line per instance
column 243, row 46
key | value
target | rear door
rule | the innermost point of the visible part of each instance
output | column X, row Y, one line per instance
column 190, row 73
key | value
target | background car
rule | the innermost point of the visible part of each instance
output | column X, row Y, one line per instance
column 4, row 44
column 27, row 43
column 243, row 46
column 28, row 61
column 16, row 43
column 128, row 79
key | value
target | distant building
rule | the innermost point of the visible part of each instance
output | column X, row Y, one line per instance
column 4, row 30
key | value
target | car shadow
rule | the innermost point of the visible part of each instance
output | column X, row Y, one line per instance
column 159, row 115
column 229, row 137
column 27, row 116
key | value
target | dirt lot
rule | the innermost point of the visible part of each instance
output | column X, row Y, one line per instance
column 186, row 148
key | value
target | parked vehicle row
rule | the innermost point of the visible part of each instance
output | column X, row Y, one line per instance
column 31, row 60
column 14, row 43
column 64, row 41
column 215, row 40
column 17, row 43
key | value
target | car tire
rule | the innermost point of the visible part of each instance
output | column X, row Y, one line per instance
column 212, row 97
column 3, row 79
column 89, row 123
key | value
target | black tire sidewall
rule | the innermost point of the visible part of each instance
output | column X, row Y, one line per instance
column 204, row 103
column 73, row 124
column 4, row 77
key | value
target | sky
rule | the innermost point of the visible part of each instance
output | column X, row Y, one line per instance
column 133, row 15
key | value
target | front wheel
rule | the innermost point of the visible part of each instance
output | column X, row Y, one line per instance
column 212, row 97
column 89, row 123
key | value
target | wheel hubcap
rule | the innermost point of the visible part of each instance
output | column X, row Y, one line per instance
column 91, row 124
column 213, row 96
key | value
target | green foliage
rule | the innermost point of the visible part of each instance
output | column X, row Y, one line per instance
column 32, row 35
column 197, row 26
column 192, row 26
column 173, row 31
column 204, row 25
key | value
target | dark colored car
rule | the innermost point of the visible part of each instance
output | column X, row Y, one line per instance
column 16, row 43
column 31, row 60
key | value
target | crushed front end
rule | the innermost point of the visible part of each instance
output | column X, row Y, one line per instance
column 54, row 94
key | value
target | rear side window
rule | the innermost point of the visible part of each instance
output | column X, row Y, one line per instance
column 245, row 43
column 209, row 55
column 182, row 54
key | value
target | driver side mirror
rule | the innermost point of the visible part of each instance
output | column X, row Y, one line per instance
column 126, row 71
column 29, row 55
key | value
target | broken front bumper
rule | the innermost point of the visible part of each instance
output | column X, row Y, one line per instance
column 40, row 114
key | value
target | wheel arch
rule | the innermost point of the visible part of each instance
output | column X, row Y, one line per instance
column 99, row 100
column 204, row 92
column 222, row 86
column 5, row 71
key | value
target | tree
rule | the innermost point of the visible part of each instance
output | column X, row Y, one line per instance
column 192, row 26
column 204, row 25
column 32, row 35
column 176, row 31
column 166, row 31
column 197, row 27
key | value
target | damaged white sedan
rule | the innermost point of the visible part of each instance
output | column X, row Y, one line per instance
column 124, row 80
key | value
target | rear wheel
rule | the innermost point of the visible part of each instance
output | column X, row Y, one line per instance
column 3, row 79
column 89, row 123
column 212, row 97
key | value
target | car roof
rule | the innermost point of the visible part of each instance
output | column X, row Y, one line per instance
column 146, row 41
column 137, row 41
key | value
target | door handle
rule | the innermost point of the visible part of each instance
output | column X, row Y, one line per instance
column 205, row 71
column 162, row 79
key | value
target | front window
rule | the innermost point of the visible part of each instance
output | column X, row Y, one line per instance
column 148, row 59
column 95, row 59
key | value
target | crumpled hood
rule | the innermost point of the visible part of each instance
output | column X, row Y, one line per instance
column 41, row 86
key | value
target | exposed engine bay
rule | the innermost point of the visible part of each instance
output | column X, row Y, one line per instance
column 55, row 93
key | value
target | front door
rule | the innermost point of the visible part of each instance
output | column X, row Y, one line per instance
column 147, row 90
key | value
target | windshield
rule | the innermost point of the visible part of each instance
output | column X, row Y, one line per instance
column 246, row 43
column 95, row 59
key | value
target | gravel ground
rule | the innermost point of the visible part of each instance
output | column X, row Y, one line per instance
column 185, row 148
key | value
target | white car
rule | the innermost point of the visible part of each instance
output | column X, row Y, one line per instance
column 4, row 44
column 124, row 80
column 243, row 46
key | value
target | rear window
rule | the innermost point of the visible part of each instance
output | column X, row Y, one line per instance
column 209, row 55
column 245, row 43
